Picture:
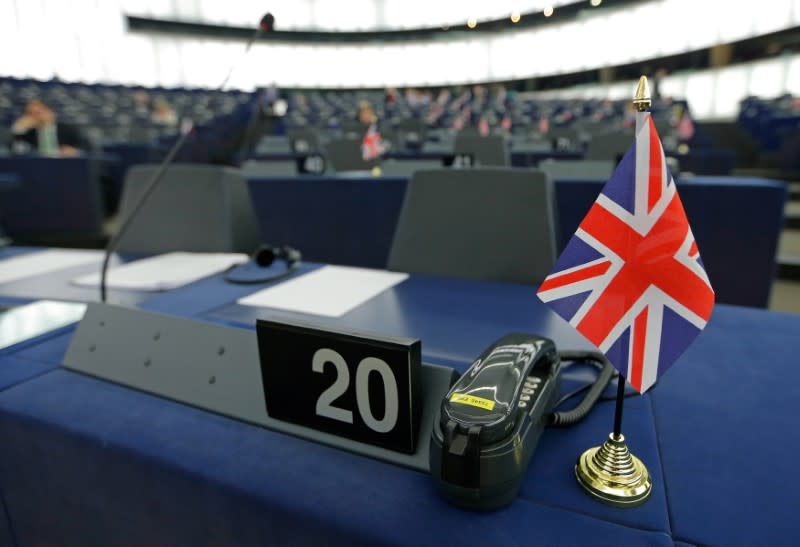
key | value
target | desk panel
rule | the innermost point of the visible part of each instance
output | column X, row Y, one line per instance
column 150, row 471
column 106, row 465
column 58, row 285
column 726, row 417
column 57, row 197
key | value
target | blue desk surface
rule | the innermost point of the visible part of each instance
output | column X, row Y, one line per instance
column 58, row 285
column 106, row 464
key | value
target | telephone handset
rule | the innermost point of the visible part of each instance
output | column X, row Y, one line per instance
column 491, row 419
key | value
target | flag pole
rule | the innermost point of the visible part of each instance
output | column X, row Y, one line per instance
column 618, row 409
column 610, row 473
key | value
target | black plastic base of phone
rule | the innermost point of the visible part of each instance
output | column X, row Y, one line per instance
column 500, row 467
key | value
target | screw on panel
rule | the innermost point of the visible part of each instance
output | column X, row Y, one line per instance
column 156, row 336
column 221, row 350
column 92, row 347
column 212, row 380
column 102, row 323
column 147, row 362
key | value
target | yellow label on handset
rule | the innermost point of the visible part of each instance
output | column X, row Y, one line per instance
column 472, row 400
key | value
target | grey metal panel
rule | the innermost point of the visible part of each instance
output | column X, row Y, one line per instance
column 212, row 367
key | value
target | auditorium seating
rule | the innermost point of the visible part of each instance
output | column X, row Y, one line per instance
column 110, row 114
column 534, row 128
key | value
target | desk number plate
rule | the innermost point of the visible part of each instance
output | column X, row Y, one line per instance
column 354, row 385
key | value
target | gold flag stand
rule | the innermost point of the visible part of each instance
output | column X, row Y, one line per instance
column 610, row 473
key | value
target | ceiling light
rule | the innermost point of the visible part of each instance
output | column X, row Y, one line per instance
column 516, row 16
column 472, row 22
column 548, row 11
column 595, row 3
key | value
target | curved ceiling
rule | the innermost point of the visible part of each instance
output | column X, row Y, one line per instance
column 336, row 15
column 94, row 45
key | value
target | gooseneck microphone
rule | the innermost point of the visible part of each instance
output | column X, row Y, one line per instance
column 267, row 24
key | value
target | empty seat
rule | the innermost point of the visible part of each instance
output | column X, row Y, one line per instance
column 438, row 147
column 484, row 223
column 303, row 139
column 273, row 144
column 271, row 168
column 345, row 155
column 611, row 146
column 201, row 208
column 490, row 150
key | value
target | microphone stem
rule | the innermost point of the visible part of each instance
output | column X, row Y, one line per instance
column 242, row 56
column 154, row 180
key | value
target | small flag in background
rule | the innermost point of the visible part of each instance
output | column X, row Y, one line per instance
column 372, row 146
column 483, row 127
column 544, row 125
column 631, row 279
column 685, row 127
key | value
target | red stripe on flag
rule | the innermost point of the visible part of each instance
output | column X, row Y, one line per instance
column 637, row 357
column 693, row 251
column 656, row 176
column 573, row 277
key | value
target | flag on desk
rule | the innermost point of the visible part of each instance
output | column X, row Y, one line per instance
column 631, row 279
column 372, row 146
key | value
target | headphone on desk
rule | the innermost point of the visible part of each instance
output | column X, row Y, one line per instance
column 264, row 257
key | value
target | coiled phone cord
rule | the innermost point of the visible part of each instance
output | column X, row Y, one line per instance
column 575, row 415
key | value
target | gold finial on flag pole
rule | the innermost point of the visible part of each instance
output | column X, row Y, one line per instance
column 641, row 99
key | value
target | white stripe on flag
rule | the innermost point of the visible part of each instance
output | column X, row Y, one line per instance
column 642, row 164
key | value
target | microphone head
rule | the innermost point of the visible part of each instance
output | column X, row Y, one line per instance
column 267, row 23
column 264, row 256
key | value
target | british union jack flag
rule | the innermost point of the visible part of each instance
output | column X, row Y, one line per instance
column 372, row 146
column 631, row 279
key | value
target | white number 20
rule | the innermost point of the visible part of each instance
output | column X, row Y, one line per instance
column 367, row 365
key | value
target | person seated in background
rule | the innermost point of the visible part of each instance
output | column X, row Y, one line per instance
column 141, row 103
column 40, row 130
column 366, row 114
column 163, row 114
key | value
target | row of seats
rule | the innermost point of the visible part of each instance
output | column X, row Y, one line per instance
column 527, row 126
column 490, row 223
column 775, row 125
column 115, row 113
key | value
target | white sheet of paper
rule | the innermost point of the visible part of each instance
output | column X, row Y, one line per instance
column 164, row 272
column 44, row 262
column 331, row 291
